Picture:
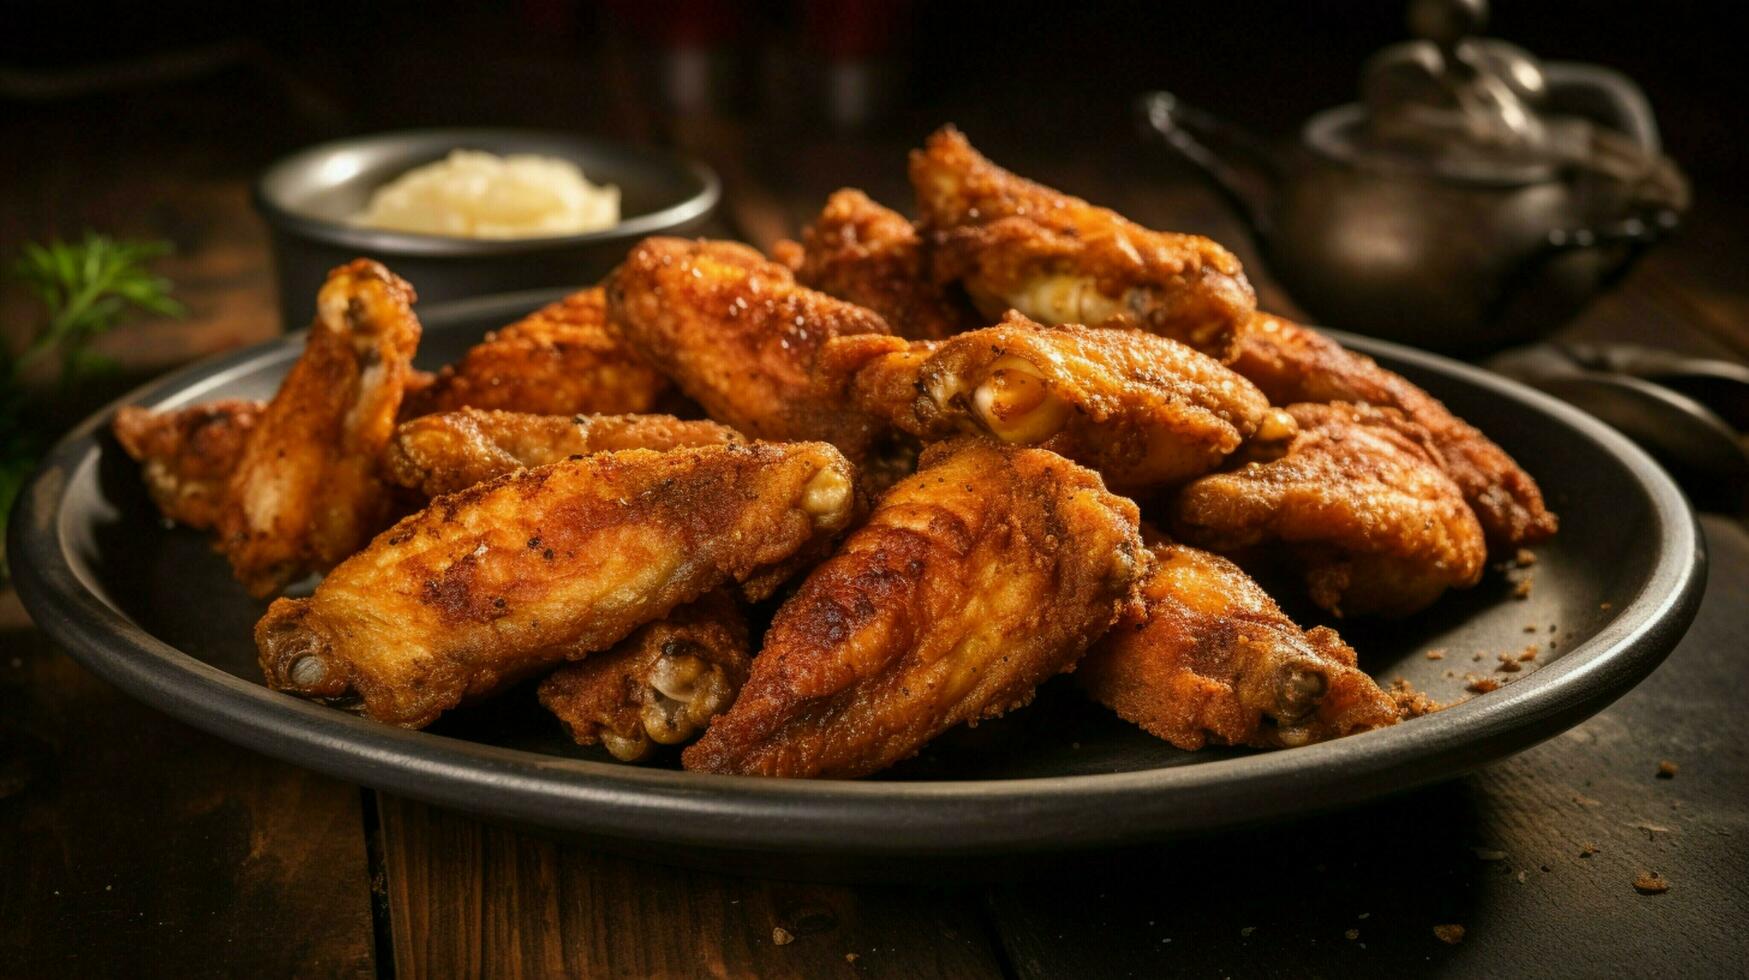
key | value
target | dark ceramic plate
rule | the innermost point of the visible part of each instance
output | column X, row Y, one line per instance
column 154, row 611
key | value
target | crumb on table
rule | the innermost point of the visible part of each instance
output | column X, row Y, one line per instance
column 1521, row 588
column 1667, row 770
column 1451, row 934
column 781, row 936
column 1435, row 655
column 1525, row 558
column 1588, row 849
column 1650, row 883
column 1482, row 685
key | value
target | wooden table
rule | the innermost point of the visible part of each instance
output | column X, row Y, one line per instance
column 132, row 844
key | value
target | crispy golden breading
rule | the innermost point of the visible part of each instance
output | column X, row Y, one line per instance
column 976, row 579
column 1058, row 259
column 306, row 492
column 450, row 451
column 563, row 359
column 1143, row 410
column 1292, row 363
column 872, row 256
column 491, row 584
column 739, row 336
column 1359, row 499
column 187, row 455
column 1209, row 657
column 660, row 686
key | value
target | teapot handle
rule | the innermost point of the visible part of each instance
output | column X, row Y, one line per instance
column 1183, row 128
column 1604, row 96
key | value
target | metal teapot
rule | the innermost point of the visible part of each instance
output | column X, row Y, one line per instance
column 1473, row 198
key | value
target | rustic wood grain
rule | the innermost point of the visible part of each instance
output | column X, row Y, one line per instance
column 467, row 898
column 133, row 845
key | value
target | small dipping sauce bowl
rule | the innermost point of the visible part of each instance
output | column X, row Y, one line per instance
column 309, row 199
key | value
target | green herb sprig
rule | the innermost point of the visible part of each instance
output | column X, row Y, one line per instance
column 85, row 289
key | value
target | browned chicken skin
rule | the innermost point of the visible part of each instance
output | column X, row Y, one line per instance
column 488, row 585
column 660, row 686
column 1209, row 657
column 187, row 455
column 1057, row 259
column 1359, row 499
column 1292, row 363
column 985, row 573
column 739, row 336
column 306, row 493
column 1143, row 410
column 873, row 256
column 450, row 451
column 563, row 359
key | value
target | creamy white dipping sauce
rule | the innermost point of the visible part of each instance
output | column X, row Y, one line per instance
column 473, row 194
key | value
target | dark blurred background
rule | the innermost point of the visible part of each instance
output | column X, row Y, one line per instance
column 271, row 76
column 149, row 119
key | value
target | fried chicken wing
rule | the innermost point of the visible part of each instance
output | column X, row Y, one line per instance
column 306, row 492
column 450, row 451
column 187, row 455
column 739, row 336
column 985, row 573
column 660, row 686
column 489, row 585
column 1361, row 502
column 1143, row 410
column 1292, row 363
column 1209, row 657
column 1058, row 259
column 563, row 359
column 873, row 256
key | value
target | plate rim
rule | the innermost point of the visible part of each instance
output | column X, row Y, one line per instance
column 866, row 818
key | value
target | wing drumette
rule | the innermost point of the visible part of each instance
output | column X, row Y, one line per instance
column 977, row 578
column 872, row 256
column 1209, row 657
column 660, row 686
column 491, row 584
column 1292, row 363
column 739, row 336
column 1143, row 410
column 563, row 359
column 187, row 455
column 306, row 492
column 450, row 451
column 1058, row 259
column 1359, row 499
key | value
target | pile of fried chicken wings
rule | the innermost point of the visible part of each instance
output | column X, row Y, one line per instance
column 926, row 447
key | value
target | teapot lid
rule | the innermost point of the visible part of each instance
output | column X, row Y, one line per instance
column 1458, row 106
